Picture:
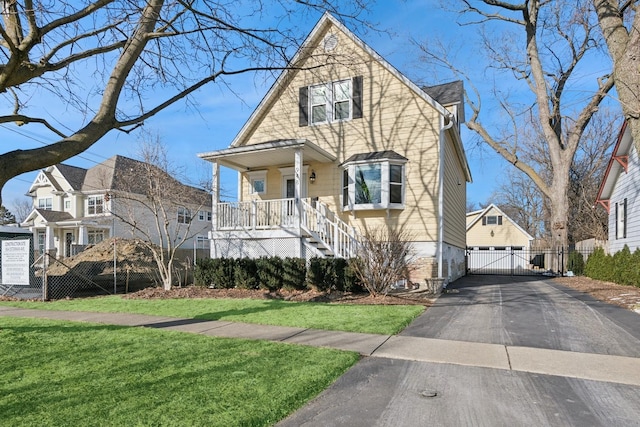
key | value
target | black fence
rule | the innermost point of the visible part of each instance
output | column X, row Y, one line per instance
column 524, row 261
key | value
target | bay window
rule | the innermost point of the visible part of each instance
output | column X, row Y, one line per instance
column 373, row 181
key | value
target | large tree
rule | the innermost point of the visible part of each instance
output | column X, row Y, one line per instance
column 620, row 24
column 116, row 63
column 536, row 50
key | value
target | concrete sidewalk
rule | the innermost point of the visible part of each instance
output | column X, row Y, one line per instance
column 598, row 367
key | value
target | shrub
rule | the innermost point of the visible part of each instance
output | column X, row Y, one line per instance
column 245, row 273
column 384, row 257
column 269, row 273
column 575, row 263
column 294, row 273
column 322, row 274
column 622, row 266
column 599, row 266
column 203, row 272
column 215, row 272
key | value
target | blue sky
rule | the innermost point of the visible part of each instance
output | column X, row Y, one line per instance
column 220, row 114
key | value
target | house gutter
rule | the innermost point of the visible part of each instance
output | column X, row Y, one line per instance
column 444, row 127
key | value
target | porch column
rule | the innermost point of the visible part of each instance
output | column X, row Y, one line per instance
column 82, row 235
column 298, row 184
column 215, row 194
column 49, row 243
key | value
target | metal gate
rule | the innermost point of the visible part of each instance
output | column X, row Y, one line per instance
column 513, row 261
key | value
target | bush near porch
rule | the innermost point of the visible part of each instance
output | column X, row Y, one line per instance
column 275, row 273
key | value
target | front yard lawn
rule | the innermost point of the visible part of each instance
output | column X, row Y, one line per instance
column 58, row 373
column 375, row 319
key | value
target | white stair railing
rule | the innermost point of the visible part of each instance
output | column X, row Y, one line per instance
column 329, row 230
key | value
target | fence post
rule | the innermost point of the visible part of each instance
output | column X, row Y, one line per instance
column 114, row 266
column 45, row 289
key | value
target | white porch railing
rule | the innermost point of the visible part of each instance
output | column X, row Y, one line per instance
column 315, row 219
column 325, row 226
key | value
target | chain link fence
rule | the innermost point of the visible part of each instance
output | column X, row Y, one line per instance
column 113, row 267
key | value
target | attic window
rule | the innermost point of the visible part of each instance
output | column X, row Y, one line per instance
column 492, row 220
column 331, row 102
column 374, row 181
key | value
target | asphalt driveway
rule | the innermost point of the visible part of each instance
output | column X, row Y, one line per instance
column 518, row 313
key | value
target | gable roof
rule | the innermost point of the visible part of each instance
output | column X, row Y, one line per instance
column 616, row 165
column 312, row 40
column 72, row 174
column 482, row 212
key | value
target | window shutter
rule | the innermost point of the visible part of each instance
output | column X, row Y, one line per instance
column 624, row 220
column 356, row 97
column 499, row 219
column 303, row 104
column 484, row 220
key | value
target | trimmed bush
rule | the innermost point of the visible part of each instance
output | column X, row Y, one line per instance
column 203, row 272
column 622, row 266
column 322, row 274
column 599, row 266
column 215, row 272
column 294, row 271
column 575, row 263
column 269, row 273
column 245, row 273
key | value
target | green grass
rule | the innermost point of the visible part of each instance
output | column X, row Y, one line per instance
column 375, row 319
column 58, row 373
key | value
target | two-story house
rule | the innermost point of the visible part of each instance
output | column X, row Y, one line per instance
column 75, row 207
column 341, row 143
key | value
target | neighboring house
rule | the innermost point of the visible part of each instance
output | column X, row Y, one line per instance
column 496, row 242
column 341, row 143
column 75, row 207
column 619, row 193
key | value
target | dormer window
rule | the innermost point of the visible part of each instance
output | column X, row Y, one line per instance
column 374, row 181
column 331, row 102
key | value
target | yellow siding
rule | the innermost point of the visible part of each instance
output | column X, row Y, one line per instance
column 506, row 234
column 394, row 118
column 455, row 198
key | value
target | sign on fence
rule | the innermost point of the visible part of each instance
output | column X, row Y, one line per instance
column 15, row 262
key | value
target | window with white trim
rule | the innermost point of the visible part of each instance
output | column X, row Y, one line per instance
column 330, row 102
column 375, row 184
column 95, row 205
column 621, row 220
column 492, row 220
column 45, row 203
column 95, row 236
column 258, row 182
column 204, row 215
column 184, row 215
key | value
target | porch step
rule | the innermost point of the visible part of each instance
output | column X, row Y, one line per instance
column 318, row 245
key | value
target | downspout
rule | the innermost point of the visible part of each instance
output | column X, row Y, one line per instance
column 444, row 127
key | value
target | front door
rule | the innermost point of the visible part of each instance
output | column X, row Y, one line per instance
column 68, row 240
column 289, row 194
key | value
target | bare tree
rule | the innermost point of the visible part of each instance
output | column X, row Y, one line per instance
column 158, row 208
column 540, row 60
column 21, row 208
column 110, row 60
column 620, row 24
column 529, row 207
column 384, row 257
column 522, row 202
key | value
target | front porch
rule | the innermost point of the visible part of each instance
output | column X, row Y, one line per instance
column 284, row 227
column 278, row 212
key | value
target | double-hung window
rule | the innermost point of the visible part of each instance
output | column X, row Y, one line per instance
column 45, row 203
column 204, row 215
column 374, row 181
column 95, row 236
column 331, row 102
column 95, row 205
column 184, row 215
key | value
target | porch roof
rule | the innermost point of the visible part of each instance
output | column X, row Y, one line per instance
column 272, row 153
